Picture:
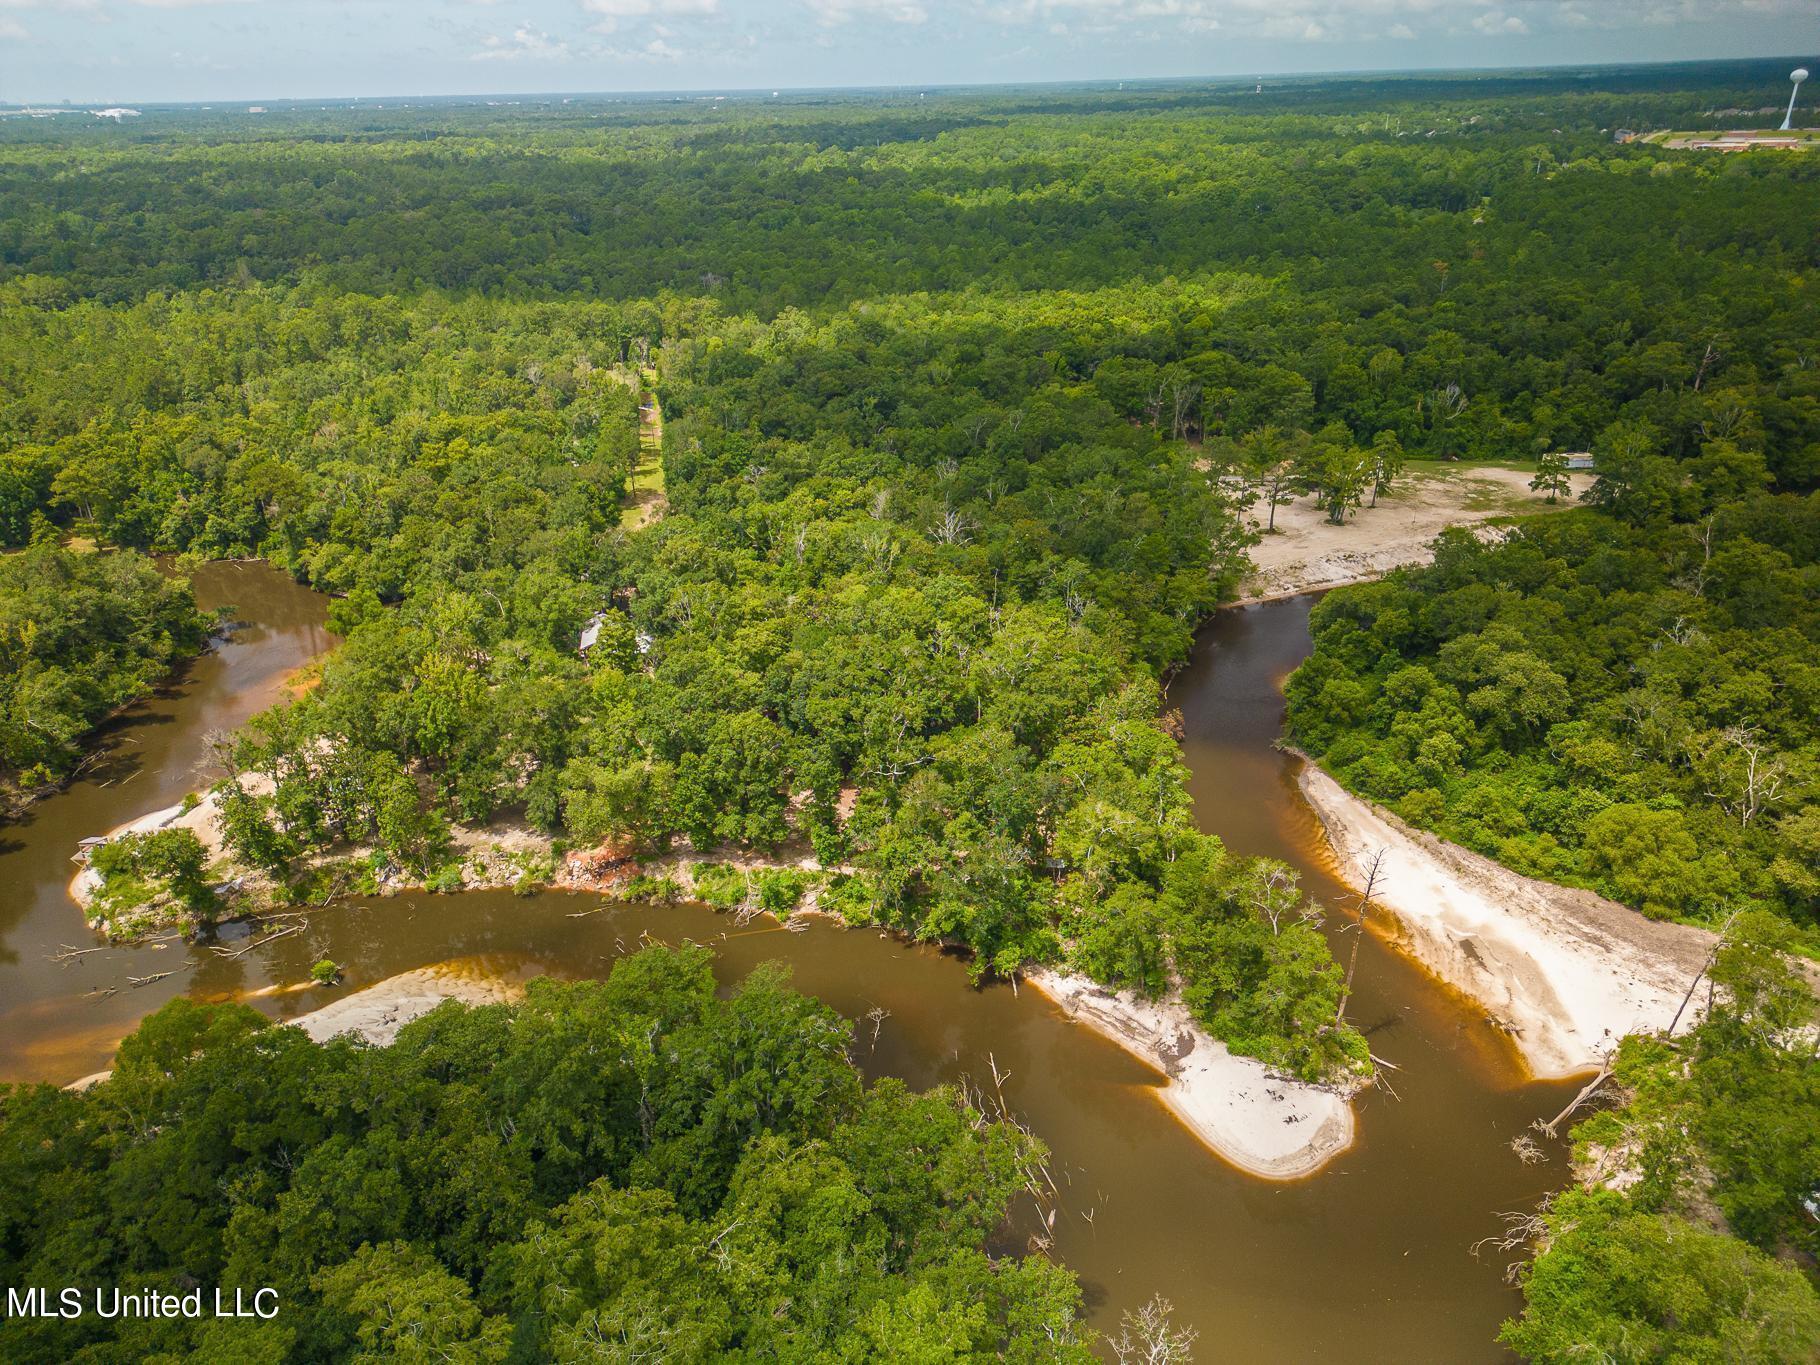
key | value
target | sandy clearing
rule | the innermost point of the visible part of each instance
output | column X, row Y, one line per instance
column 1307, row 554
column 491, row 856
column 1566, row 972
column 1265, row 1124
column 201, row 819
column 378, row 1012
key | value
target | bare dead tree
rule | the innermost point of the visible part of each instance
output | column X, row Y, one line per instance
column 1275, row 896
column 1183, row 397
column 1446, row 402
column 877, row 1016
column 1706, row 557
column 1591, row 1088
column 1153, row 406
column 1694, row 985
column 273, row 937
column 68, row 953
column 882, row 549
column 1528, row 1150
column 1148, row 1337
column 1520, row 1230
column 1371, row 883
column 1706, row 363
column 1760, row 773
column 952, row 527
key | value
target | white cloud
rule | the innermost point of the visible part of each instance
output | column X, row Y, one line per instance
column 13, row 31
column 1299, row 20
column 659, row 51
column 526, row 43
column 614, row 12
column 1342, row 20
column 1495, row 21
column 843, row 11
column 126, row 4
column 627, row 9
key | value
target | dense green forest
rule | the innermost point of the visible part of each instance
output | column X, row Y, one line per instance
column 1633, row 709
column 959, row 617
column 634, row 1168
column 961, row 397
column 1626, row 699
column 81, row 635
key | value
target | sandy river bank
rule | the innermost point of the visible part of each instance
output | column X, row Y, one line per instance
column 1265, row 1124
column 377, row 1012
column 1566, row 972
column 380, row 1010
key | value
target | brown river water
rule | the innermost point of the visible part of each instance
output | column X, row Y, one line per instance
column 1369, row 1260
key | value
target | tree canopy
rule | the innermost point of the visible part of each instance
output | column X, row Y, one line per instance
column 635, row 1166
column 81, row 635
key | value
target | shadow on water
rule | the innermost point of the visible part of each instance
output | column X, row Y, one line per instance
column 1367, row 1261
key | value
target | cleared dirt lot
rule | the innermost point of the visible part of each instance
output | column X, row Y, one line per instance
column 1305, row 552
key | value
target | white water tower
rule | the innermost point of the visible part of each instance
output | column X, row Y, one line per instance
column 1798, row 75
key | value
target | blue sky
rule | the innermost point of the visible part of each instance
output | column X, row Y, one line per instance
column 148, row 50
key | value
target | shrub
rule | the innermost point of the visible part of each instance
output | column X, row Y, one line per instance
column 446, row 878
column 721, row 886
column 654, row 890
column 135, row 867
column 781, row 889
column 850, row 898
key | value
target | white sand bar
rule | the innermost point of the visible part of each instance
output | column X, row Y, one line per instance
column 1265, row 1124
column 1566, row 972
column 378, row 1012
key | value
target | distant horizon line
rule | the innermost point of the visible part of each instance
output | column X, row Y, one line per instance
column 769, row 91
